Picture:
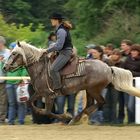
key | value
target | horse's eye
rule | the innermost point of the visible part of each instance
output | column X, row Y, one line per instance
column 13, row 53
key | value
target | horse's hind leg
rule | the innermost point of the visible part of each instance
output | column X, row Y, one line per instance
column 91, row 107
column 100, row 101
column 89, row 102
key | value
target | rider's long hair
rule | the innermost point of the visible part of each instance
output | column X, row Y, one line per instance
column 67, row 24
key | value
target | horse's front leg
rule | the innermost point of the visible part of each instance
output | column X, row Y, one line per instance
column 49, row 102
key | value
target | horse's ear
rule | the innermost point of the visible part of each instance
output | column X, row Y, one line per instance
column 18, row 43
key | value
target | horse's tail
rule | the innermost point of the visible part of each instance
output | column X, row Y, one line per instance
column 123, row 81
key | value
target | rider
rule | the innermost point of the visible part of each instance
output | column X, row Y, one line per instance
column 63, row 46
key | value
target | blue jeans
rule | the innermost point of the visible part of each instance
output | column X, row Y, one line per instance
column 128, row 101
column 80, row 105
column 14, row 109
column 97, row 116
column 60, row 103
column 110, row 108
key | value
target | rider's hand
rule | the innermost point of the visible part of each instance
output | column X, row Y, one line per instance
column 45, row 52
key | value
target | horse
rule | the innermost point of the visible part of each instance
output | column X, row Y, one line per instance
column 97, row 76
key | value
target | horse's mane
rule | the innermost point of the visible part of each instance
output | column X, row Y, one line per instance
column 29, row 52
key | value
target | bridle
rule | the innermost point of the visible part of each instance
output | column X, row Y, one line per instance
column 14, row 63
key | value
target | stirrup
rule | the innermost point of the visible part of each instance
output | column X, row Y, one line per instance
column 58, row 92
column 52, row 95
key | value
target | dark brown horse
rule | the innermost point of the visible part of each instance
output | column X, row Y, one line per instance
column 97, row 76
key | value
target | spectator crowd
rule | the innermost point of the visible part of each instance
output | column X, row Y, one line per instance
column 118, row 104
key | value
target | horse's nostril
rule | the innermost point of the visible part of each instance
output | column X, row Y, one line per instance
column 4, row 69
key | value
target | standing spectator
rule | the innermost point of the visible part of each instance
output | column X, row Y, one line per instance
column 125, row 47
column 15, row 108
column 89, row 48
column 60, row 104
column 132, row 63
column 110, row 108
column 97, row 53
column 4, row 54
column 122, row 97
column 97, row 117
column 36, row 117
column 108, row 49
column 70, row 98
column 94, row 52
column 89, row 55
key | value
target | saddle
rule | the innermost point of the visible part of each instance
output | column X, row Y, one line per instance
column 70, row 67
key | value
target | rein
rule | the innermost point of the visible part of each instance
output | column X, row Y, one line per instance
column 46, row 75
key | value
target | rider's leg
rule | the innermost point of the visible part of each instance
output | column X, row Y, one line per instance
column 57, row 65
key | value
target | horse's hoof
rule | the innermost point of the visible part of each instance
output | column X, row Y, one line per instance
column 72, row 122
column 68, row 116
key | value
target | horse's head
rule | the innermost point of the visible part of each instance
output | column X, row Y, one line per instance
column 23, row 54
column 15, row 60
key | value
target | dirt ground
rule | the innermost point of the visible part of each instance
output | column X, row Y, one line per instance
column 62, row 132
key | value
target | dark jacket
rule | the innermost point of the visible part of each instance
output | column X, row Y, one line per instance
column 68, row 41
column 133, row 65
column 111, row 63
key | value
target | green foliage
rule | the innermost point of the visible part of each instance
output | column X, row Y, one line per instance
column 13, row 33
column 41, row 9
column 31, row 11
column 80, row 44
column 97, row 21
column 16, row 11
column 120, row 26
column 107, row 21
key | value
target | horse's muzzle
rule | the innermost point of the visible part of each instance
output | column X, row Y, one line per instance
column 5, row 68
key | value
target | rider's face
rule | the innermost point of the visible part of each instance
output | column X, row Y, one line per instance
column 54, row 22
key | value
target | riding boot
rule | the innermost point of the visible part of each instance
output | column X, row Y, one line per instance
column 58, row 92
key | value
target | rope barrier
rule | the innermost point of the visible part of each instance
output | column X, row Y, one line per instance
column 14, row 78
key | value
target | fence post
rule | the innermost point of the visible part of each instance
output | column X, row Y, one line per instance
column 137, row 103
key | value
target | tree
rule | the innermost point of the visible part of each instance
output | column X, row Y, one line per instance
column 31, row 11
column 16, row 11
column 12, row 33
column 93, row 16
column 42, row 9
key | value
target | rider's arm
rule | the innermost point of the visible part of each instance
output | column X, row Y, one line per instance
column 61, row 35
